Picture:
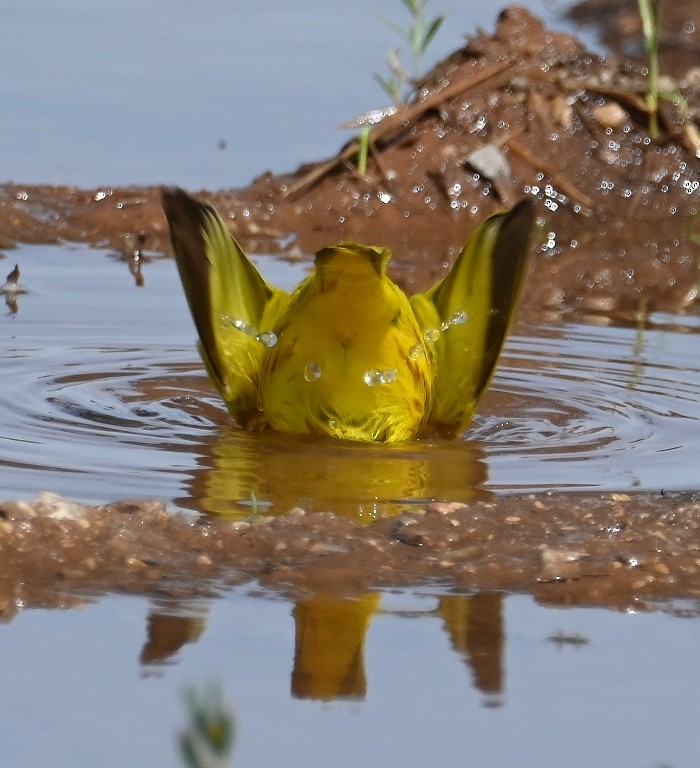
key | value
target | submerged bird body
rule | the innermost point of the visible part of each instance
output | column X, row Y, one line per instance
column 350, row 358
column 347, row 353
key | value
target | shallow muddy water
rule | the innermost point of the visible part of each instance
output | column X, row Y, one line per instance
column 106, row 398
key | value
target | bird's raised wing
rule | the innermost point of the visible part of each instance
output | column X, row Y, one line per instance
column 465, row 317
column 233, row 308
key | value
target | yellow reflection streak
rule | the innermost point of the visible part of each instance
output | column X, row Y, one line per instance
column 329, row 649
column 242, row 472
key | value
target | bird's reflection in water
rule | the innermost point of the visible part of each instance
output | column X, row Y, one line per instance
column 330, row 636
column 329, row 647
column 279, row 472
column 11, row 289
column 474, row 624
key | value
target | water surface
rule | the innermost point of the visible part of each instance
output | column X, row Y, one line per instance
column 418, row 677
column 105, row 397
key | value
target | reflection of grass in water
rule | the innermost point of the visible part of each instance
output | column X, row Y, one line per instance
column 641, row 317
column 207, row 740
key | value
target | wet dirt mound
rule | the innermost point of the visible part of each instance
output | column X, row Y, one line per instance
column 525, row 111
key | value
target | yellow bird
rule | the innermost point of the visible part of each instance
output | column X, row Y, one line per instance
column 347, row 353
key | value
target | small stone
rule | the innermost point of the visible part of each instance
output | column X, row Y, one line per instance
column 691, row 79
column 326, row 548
column 610, row 115
column 560, row 564
column 561, row 111
column 402, row 533
column 203, row 560
column 446, row 507
column 513, row 519
column 491, row 162
column 57, row 508
column 16, row 510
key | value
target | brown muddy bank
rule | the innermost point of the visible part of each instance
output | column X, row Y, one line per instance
column 620, row 229
column 614, row 550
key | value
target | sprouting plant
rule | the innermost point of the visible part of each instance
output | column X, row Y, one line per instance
column 662, row 87
column 363, row 149
column 401, row 82
column 254, row 506
column 397, row 86
column 207, row 740
column 650, row 14
column 418, row 35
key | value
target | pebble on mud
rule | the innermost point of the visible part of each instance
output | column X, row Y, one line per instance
column 560, row 564
column 16, row 511
column 52, row 505
column 610, row 115
column 446, row 507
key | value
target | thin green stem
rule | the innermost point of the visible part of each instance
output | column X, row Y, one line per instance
column 363, row 149
column 650, row 14
column 418, row 35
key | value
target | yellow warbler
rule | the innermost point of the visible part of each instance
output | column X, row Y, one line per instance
column 347, row 353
